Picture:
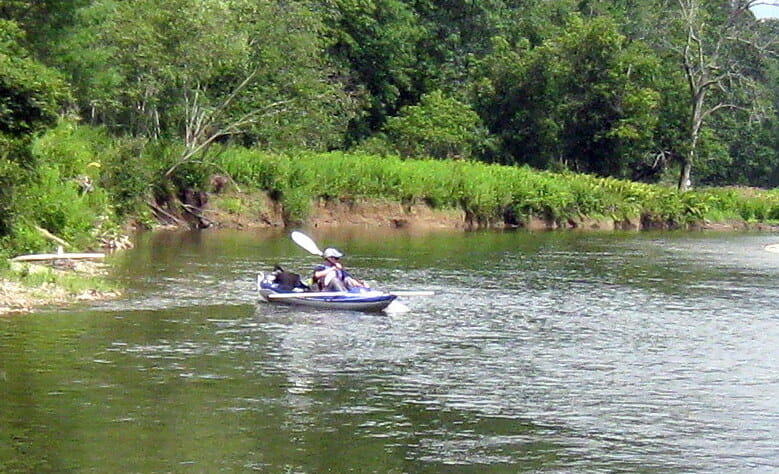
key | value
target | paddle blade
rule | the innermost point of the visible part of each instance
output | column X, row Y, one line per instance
column 306, row 242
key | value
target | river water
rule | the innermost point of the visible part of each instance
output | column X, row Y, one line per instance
column 556, row 352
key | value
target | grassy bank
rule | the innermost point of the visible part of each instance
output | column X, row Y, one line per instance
column 88, row 185
column 488, row 193
column 25, row 286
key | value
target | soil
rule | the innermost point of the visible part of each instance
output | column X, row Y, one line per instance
column 255, row 210
column 376, row 213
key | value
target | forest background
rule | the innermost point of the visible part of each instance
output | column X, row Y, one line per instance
column 114, row 110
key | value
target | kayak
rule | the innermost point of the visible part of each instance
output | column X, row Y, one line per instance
column 356, row 299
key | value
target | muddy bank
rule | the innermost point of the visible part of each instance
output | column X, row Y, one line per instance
column 253, row 210
column 376, row 213
column 257, row 210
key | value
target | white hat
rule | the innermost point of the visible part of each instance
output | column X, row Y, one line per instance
column 332, row 253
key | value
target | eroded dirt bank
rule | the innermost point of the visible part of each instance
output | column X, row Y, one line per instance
column 252, row 210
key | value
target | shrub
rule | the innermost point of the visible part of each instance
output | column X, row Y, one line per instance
column 61, row 207
column 129, row 172
column 439, row 127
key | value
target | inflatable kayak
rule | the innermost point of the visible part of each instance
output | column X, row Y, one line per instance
column 356, row 299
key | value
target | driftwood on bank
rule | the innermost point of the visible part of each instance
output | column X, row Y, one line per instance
column 60, row 255
column 162, row 214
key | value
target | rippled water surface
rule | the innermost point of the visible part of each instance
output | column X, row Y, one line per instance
column 561, row 352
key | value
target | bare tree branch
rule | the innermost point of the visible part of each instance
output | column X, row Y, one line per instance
column 203, row 127
column 709, row 66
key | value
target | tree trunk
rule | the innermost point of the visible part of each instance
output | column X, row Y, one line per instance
column 684, row 176
column 696, row 123
column 685, row 181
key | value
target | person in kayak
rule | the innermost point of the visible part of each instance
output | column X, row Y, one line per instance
column 330, row 274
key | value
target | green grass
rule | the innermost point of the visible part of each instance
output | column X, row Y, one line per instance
column 487, row 192
column 42, row 276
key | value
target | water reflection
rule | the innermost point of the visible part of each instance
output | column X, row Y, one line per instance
column 556, row 352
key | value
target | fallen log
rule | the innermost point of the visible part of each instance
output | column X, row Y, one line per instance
column 60, row 255
column 162, row 212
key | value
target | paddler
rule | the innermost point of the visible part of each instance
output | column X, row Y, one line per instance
column 330, row 274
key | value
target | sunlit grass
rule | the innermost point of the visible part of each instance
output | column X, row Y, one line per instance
column 46, row 278
column 486, row 192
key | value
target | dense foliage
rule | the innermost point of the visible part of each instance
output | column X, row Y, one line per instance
column 139, row 97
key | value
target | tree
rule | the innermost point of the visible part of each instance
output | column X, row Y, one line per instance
column 584, row 100
column 718, row 46
column 43, row 21
column 203, row 71
column 439, row 127
column 457, row 32
column 31, row 96
column 753, row 145
column 376, row 43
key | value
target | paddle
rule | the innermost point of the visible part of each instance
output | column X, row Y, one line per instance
column 306, row 242
column 311, row 247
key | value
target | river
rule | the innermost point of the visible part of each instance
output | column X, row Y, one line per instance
column 555, row 352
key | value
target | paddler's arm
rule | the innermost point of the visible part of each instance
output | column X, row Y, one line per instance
column 321, row 273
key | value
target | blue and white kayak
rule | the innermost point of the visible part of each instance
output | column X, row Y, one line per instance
column 356, row 299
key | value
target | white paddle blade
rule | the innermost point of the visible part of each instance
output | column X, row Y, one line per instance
column 306, row 242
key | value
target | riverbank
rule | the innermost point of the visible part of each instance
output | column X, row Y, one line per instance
column 29, row 287
column 247, row 210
